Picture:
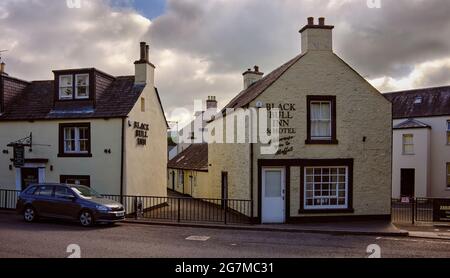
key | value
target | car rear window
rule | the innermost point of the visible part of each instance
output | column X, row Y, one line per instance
column 46, row 191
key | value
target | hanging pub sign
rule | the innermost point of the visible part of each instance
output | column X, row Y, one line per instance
column 141, row 133
column 441, row 210
column 19, row 156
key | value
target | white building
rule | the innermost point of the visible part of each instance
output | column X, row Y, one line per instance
column 421, row 147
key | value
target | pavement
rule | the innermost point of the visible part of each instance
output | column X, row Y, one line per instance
column 372, row 228
column 427, row 230
column 56, row 239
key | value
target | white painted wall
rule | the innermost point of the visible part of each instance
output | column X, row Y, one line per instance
column 439, row 156
column 420, row 160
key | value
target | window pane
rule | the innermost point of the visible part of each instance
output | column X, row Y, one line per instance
column 325, row 110
column 82, row 86
column 273, row 184
column 65, row 81
column 315, row 111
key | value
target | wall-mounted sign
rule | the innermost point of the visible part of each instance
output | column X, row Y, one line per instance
column 285, row 117
column 441, row 210
column 141, row 133
column 19, row 156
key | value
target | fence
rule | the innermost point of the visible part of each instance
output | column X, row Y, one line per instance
column 173, row 209
column 415, row 210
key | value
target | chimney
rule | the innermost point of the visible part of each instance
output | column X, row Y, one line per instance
column 317, row 37
column 144, row 70
column 211, row 103
column 252, row 76
column 2, row 68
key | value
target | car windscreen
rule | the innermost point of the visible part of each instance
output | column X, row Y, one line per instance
column 85, row 192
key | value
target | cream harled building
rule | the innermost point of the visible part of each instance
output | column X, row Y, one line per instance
column 334, row 159
column 85, row 127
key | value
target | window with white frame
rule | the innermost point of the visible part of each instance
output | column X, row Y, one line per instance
column 65, row 87
column 321, row 128
column 76, row 140
column 82, row 86
column 408, row 144
column 326, row 188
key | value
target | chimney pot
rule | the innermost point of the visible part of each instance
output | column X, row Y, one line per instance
column 310, row 20
column 2, row 68
column 147, row 53
column 256, row 69
column 143, row 46
column 322, row 21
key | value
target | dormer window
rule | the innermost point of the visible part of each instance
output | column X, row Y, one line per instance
column 82, row 86
column 69, row 90
column 66, row 87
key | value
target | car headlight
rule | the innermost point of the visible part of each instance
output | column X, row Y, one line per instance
column 102, row 208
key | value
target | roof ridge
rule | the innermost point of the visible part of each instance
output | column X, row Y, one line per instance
column 273, row 74
column 416, row 90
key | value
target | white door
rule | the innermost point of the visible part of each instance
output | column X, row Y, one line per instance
column 273, row 195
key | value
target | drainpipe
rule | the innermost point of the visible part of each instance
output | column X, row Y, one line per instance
column 122, row 162
column 251, row 180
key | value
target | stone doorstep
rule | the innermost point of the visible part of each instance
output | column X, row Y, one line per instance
column 280, row 228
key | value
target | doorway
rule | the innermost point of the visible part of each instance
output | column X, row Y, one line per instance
column 408, row 183
column 273, row 195
column 29, row 176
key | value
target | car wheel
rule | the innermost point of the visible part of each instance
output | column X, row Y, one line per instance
column 29, row 214
column 86, row 219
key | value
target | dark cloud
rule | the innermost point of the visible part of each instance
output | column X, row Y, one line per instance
column 201, row 47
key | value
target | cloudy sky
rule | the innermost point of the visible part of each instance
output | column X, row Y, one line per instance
column 201, row 47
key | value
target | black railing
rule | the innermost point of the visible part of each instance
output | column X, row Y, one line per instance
column 8, row 199
column 173, row 209
column 412, row 210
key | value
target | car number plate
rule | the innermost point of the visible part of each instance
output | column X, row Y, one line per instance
column 120, row 214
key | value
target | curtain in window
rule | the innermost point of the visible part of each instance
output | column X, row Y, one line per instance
column 321, row 120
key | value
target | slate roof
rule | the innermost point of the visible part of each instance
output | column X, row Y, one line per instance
column 36, row 102
column 256, row 89
column 435, row 102
column 195, row 157
column 411, row 123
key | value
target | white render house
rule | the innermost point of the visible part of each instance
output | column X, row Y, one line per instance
column 421, row 147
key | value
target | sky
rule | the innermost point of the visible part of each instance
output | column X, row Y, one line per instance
column 201, row 47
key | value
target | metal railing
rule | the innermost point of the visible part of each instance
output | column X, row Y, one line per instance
column 173, row 209
column 412, row 210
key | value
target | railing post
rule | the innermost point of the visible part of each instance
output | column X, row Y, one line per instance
column 5, row 205
column 413, row 212
column 179, row 210
column 136, row 213
column 225, row 207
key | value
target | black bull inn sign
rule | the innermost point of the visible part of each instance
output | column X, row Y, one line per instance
column 141, row 133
